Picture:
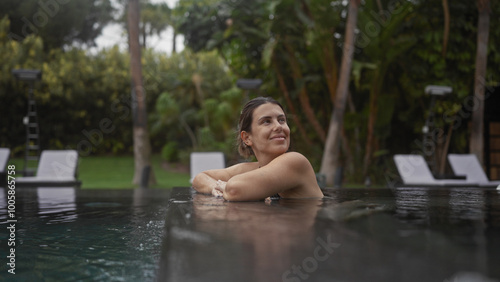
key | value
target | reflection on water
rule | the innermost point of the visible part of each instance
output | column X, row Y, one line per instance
column 412, row 204
column 259, row 237
column 404, row 234
column 467, row 204
column 67, row 234
column 270, row 232
column 446, row 205
column 58, row 201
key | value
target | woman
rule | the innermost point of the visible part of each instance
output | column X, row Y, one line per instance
column 264, row 133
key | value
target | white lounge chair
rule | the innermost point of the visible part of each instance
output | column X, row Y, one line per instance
column 201, row 161
column 56, row 168
column 468, row 165
column 4, row 159
column 414, row 171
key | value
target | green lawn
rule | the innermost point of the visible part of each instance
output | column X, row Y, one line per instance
column 97, row 172
column 117, row 172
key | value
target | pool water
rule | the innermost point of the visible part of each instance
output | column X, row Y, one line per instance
column 67, row 234
column 400, row 234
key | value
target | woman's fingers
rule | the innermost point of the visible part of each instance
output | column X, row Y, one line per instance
column 216, row 193
column 218, row 190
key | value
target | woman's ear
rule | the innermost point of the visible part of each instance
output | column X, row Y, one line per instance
column 245, row 137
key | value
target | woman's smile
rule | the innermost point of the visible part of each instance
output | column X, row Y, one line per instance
column 278, row 137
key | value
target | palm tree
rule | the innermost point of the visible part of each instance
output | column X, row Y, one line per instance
column 142, row 146
column 477, row 128
column 330, row 154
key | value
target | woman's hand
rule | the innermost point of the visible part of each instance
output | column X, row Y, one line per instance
column 219, row 188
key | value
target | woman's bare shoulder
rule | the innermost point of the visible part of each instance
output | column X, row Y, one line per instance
column 294, row 159
column 301, row 170
column 242, row 168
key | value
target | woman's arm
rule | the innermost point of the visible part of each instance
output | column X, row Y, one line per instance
column 288, row 172
column 204, row 182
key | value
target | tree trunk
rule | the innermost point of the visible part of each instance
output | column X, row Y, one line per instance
column 303, row 95
column 174, row 39
column 189, row 131
column 326, row 54
column 444, row 154
column 329, row 162
column 142, row 147
column 329, row 62
column 446, row 32
column 373, row 112
column 197, row 79
column 144, row 35
column 477, row 127
column 370, row 135
column 289, row 103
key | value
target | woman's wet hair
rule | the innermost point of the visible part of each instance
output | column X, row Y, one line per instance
column 246, row 119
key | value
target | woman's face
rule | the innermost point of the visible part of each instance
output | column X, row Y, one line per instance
column 270, row 132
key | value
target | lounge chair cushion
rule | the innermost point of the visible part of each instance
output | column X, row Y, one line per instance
column 468, row 165
column 4, row 158
column 201, row 161
column 56, row 167
column 414, row 171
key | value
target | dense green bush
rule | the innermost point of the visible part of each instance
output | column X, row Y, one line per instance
column 170, row 152
column 295, row 47
column 84, row 102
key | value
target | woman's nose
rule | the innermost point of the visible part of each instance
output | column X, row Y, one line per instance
column 278, row 126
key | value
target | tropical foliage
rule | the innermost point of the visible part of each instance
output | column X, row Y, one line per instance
column 84, row 102
column 295, row 47
column 59, row 23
